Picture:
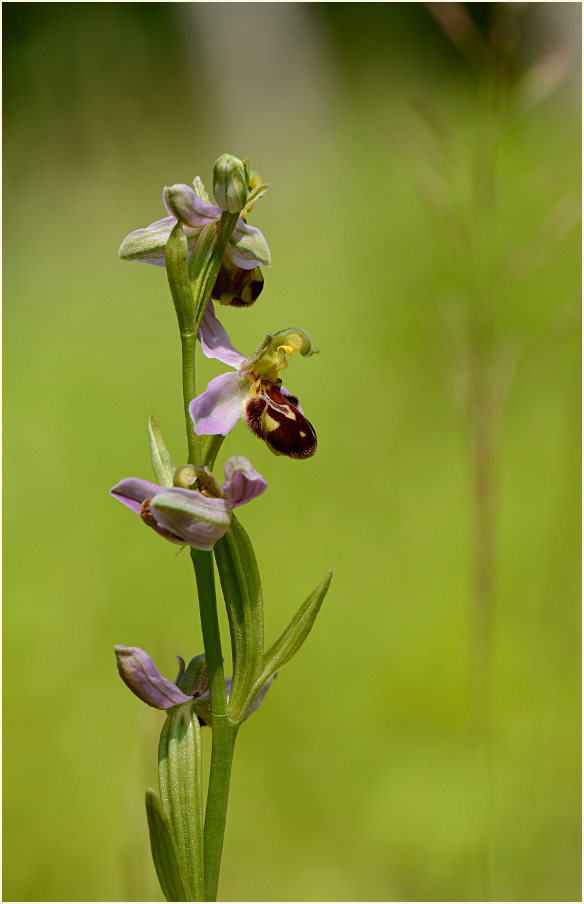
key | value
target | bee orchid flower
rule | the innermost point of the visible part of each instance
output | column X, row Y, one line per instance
column 138, row 671
column 197, row 515
column 254, row 392
column 239, row 281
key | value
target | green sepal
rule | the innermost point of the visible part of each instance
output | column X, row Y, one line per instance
column 181, row 790
column 200, row 190
column 177, row 270
column 161, row 461
column 164, row 851
column 290, row 641
column 242, row 591
column 256, row 194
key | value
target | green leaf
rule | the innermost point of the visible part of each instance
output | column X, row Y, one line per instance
column 290, row 641
column 164, row 852
column 242, row 591
column 181, row 790
column 161, row 461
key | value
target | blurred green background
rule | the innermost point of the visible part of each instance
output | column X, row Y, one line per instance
column 357, row 778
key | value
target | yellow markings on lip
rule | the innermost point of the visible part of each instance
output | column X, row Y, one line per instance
column 288, row 349
column 270, row 423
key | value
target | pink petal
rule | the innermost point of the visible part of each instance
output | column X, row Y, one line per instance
column 242, row 481
column 197, row 519
column 132, row 491
column 215, row 341
column 138, row 671
column 218, row 409
column 192, row 210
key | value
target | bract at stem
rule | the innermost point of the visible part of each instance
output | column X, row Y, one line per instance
column 181, row 790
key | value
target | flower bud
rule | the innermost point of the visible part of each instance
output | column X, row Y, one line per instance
column 229, row 183
column 185, row 476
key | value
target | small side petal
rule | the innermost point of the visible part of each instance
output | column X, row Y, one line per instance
column 138, row 671
column 197, row 519
column 133, row 491
column 242, row 481
column 215, row 341
column 218, row 409
column 247, row 247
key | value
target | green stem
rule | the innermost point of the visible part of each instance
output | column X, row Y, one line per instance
column 211, row 446
column 188, row 344
column 204, row 268
column 224, row 731
column 224, row 735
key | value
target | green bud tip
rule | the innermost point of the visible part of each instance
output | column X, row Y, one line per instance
column 230, row 183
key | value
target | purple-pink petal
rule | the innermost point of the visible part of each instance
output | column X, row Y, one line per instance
column 193, row 211
column 197, row 519
column 138, row 670
column 132, row 491
column 218, row 409
column 215, row 341
column 242, row 482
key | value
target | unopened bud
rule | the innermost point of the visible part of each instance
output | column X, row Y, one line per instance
column 185, row 476
column 229, row 183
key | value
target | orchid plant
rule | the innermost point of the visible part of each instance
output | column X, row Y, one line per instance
column 211, row 253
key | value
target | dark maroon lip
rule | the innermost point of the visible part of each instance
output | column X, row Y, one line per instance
column 293, row 434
